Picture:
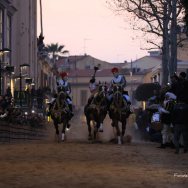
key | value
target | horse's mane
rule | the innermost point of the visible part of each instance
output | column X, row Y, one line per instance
column 118, row 99
column 100, row 96
column 61, row 95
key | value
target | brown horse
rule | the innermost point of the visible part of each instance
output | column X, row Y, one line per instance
column 60, row 113
column 118, row 112
column 96, row 111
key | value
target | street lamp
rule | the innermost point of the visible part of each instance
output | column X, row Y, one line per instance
column 21, row 67
column 2, row 52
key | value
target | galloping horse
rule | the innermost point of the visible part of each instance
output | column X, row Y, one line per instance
column 96, row 111
column 118, row 111
column 60, row 113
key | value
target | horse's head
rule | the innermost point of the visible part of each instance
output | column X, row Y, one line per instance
column 102, row 87
column 61, row 98
column 117, row 87
column 118, row 99
column 101, row 94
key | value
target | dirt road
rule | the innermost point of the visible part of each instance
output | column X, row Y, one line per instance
column 80, row 164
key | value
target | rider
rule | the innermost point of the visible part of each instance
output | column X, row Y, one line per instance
column 93, row 87
column 64, row 85
column 119, row 79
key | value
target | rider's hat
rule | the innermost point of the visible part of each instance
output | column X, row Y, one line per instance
column 114, row 70
column 63, row 74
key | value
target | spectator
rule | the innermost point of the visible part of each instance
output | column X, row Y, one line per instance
column 3, row 104
column 40, row 98
column 180, row 113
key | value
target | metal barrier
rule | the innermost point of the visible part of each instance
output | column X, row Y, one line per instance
column 12, row 133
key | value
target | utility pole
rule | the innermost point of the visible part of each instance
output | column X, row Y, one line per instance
column 41, row 24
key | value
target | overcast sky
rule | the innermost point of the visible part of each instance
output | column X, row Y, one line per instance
column 88, row 26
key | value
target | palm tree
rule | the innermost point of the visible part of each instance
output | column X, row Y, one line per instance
column 55, row 50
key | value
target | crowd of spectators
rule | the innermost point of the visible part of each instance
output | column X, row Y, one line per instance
column 166, row 116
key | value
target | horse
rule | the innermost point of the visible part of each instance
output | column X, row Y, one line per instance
column 96, row 111
column 118, row 111
column 60, row 113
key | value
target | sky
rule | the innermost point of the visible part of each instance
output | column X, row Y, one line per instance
column 90, row 27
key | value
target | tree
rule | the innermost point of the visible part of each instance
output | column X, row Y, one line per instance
column 185, row 4
column 55, row 51
column 157, row 18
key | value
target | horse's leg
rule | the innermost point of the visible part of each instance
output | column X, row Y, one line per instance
column 56, row 129
column 96, row 128
column 118, row 131
column 65, row 122
column 102, row 117
column 124, row 122
column 89, row 128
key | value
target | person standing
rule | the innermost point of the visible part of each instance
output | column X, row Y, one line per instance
column 166, row 120
column 180, row 114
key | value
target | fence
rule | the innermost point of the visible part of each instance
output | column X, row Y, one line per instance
column 14, row 133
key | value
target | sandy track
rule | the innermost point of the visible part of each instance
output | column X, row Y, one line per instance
column 78, row 163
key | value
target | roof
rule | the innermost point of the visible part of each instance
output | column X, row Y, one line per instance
column 89, row 73
column 100, row 73
column 145, row 62
column 76, row 58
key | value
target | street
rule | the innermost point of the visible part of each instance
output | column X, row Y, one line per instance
column 79, row 163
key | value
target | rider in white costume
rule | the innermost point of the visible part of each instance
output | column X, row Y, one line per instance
column 119, row 79
column 64, row 85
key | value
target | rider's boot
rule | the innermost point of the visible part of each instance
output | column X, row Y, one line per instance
column 129, row 110
column 71, row 112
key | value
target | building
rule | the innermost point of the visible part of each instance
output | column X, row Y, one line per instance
column 7, row 11
column 18, row 32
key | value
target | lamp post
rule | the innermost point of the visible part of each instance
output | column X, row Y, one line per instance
column 20, row 75
column 2, row 52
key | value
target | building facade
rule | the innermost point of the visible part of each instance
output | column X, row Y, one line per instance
column 7, row 11
column 18, row 32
